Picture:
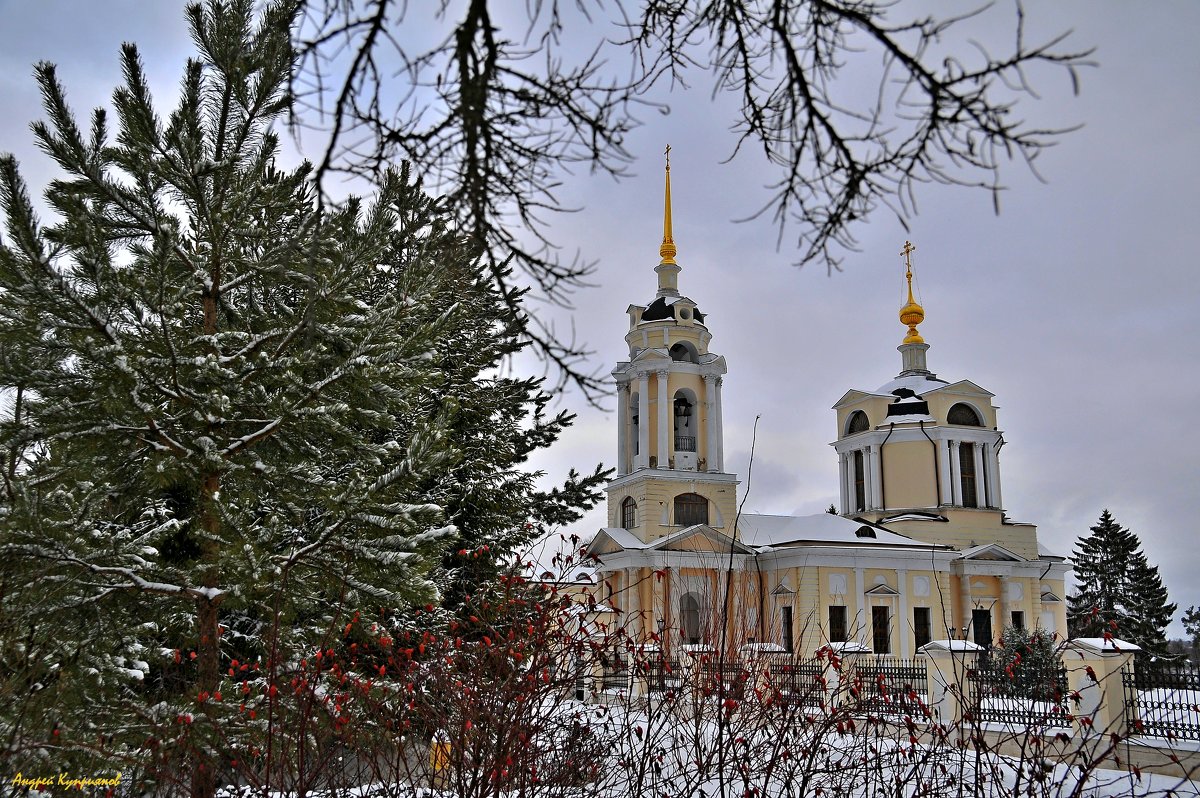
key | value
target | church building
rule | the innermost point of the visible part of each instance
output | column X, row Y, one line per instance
column 921, row 549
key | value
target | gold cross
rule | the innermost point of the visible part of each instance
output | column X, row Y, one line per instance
column 668, row 154
column 907, row 252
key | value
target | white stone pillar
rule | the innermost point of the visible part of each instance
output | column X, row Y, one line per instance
column 968, row 611
column 643, row 455
column 955, row 475
column 876, row 477
column 997, row 500
column 980, row 475
column 1002, row 604
column 623, row 428
column 665, row 426
column 862, row 617
column 710, row 422
column 842, row 466
column 904, row 622
column 720, row 429
column 947, row 492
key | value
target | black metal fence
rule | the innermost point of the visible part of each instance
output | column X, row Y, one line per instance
column 800, row 682
column 1163, row 702
column 722, row 679
column 887, row 685
column 614, row 674
column 1024, row 694
column 661, row 674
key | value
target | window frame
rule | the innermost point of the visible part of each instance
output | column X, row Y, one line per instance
column 629, row 513
column 687, row 504
column 838, row 633
column 881, row 632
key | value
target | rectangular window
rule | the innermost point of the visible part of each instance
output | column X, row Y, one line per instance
column 837, row 623
column 966, row 469
column 1018, row 619
column 922, row 625
column 786, row 631
column 881, row 632
column 981, row 623
column 860, row 483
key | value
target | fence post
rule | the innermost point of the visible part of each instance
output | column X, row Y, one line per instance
column 848, row 652
column 948, row 688
column 1094, row 666
column 756, row 659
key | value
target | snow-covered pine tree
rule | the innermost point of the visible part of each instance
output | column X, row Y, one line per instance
column 1118, row 591
column 239, row 421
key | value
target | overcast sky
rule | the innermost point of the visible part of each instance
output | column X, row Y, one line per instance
column 1077, row 306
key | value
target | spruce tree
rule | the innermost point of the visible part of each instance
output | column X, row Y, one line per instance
column 1118, row 592
column 241, row 423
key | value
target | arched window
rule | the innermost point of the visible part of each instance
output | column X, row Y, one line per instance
column 684, row 352
column 691, row 508
column 689, row 618
column 857, row 423
column 684, row 407
column 628, row 513
column 964, row 416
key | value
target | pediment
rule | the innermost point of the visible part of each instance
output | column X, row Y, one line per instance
column 993, row 552
column 882, row 590
column 699, row 538
column 966, row 388
column 1049, row 597
column 851, row 396
column 652, row 354
column 612, row 541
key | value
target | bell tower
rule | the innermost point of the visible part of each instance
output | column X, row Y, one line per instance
column 670, row 452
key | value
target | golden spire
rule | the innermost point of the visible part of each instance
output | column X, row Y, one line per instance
column 667, row 250
column 912, row 313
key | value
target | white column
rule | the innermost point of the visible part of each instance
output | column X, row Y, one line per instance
column 643, row 456
column 947, row 492
column 720, row 429
column 994, row 453
column 876, row 478
column 980, row 475
column 664, row 421
column 842, row 466
column 623, row 428
column 955, row 475
column 1002, row 604
column 862, row 617
column 710, row 421
column 904, row 622
column 968, row 618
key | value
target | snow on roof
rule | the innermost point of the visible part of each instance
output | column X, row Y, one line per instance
column 762, row 648
column 914, row 517
column 624, row 538
column 908, row 418
column 951, row 645
column 917, row 383
column 1103, row 644
column 1044, row 553
column 760, row 531
column 849, row 647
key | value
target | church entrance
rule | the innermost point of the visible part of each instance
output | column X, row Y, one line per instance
column 981, row 623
